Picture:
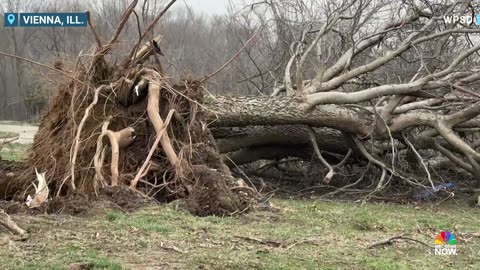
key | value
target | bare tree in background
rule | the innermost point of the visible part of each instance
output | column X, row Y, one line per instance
column 194, row 45
column 392, row 78
column 389, row 83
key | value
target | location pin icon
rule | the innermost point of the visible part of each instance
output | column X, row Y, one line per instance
column 11, row 18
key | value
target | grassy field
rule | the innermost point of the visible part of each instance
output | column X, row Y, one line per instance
column 301, row 235
column 13, row 151
column 7, row 135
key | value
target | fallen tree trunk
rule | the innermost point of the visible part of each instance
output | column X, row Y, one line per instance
column 226, row 111
column 270, row 152
column 230, row 139
column 250, row 128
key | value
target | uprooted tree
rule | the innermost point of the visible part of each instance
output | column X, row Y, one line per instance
column 128, row 124
column 389, row 85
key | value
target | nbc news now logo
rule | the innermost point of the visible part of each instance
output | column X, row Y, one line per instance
column 445, row 243
column 462, row 19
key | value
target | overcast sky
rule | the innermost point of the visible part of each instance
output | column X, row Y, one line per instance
column 207, row 6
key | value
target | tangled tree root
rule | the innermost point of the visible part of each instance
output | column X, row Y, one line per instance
column 192, row 170
column 211, row 195
column 77, row 135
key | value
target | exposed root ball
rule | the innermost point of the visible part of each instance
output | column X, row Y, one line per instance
column 197, row 175
column 137, row 99
column 210, row 195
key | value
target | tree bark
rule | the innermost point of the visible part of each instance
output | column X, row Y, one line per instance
column 236, row 138
column 226, row 111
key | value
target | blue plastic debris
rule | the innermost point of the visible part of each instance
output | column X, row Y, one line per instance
column 425, row 194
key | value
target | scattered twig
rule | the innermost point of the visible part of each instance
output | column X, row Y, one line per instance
column 349, row 185
column 174, row 248
column 468, row 235
column 260, row 241
column 392, row 240
column 243, row 173
column 277, row 244
column 8, row 223
column 306, row 240
column 7, row 141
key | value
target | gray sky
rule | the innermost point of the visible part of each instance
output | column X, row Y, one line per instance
column 207, row 6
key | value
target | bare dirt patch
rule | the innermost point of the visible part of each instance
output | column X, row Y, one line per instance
column 109, row 198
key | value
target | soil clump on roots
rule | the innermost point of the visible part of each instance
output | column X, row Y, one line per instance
column 127, row 127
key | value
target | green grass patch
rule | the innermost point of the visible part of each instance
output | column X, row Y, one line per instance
column 70, row 256
column 14, row 151
column 312, row 235
column 120, row 221
column 7, row 135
